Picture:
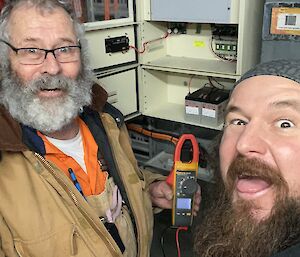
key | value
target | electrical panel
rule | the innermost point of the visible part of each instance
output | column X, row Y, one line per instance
column 109, row 47
column 174, row 46
column 174, row 64
column 213, row 11
column 225, row 41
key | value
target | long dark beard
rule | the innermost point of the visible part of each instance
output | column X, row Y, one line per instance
column 230, row 230
column 223, row 233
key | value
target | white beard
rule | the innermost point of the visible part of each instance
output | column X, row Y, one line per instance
column 45, row 115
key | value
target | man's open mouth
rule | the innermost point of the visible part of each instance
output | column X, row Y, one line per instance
column 50, row 92
column 52, row 89
column 251, row 186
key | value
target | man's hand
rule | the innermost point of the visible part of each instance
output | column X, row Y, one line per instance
column 162, row 196
column 197, row 201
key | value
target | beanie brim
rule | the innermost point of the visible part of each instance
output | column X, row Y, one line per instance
column 289, row 69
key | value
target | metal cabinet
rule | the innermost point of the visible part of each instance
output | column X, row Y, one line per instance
column 174, row 50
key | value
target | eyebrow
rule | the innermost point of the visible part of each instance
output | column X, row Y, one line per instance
column 61, row 40
column 290, row 103
column 232, row 108
column 294, row 104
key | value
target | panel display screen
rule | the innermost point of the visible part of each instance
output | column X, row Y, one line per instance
column 184, row 203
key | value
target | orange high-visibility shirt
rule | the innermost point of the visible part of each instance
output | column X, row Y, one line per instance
column 92, row 182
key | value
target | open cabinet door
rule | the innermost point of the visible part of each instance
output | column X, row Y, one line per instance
column 111, row 33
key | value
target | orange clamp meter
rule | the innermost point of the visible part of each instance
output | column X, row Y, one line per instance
column 183, row 179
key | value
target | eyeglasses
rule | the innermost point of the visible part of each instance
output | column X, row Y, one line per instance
column 35, row 56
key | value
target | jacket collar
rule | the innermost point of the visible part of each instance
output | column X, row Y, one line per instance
column 11, row 132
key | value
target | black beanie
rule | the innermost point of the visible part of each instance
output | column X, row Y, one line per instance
column 289, row 69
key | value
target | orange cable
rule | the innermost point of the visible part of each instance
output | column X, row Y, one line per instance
column 107, row 10
column 149, row 133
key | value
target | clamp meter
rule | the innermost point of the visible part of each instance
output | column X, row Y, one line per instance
column 183, row 179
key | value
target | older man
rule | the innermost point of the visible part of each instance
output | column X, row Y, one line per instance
column 69, row 182
column 258, row 212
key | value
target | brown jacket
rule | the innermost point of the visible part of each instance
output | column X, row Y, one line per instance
column 41, row 212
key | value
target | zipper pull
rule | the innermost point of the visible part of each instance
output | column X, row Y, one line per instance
column 73, row 245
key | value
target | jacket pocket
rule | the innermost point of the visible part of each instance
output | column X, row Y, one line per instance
column 125, row 228
column 65, row 242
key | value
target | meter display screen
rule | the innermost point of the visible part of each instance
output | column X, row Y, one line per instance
column 184, row 203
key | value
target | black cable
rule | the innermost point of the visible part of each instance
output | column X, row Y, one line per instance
column 211, row 79
column 162, row 240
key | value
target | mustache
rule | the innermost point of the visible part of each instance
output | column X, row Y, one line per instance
column 243, row 167
column 47, row 82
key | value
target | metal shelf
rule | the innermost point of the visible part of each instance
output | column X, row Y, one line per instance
column 195, row 66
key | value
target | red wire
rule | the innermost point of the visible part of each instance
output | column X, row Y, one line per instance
column 177, row 239
column 145, row 43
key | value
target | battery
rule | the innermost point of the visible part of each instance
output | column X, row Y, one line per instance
column 206, row 106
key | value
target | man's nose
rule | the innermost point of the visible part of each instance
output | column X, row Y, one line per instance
column 252, row 141
column 51, row 65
